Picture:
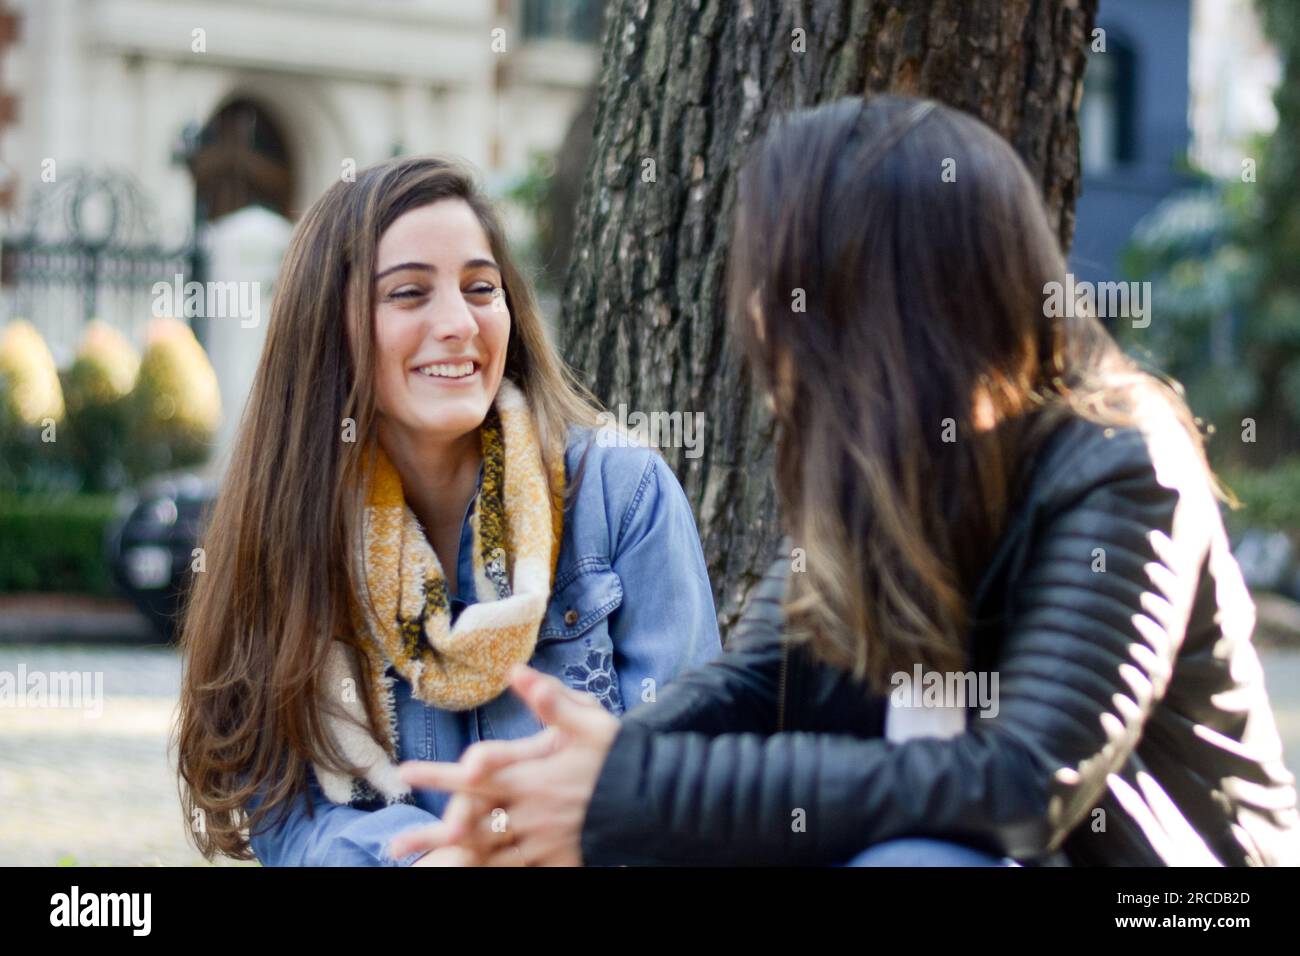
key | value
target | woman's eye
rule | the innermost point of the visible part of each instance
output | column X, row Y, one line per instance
column 482, row 288
column 407, row 292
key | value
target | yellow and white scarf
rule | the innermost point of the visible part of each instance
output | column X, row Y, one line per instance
column 405, row 618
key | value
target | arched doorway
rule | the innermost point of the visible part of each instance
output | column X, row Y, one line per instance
column 241, row 159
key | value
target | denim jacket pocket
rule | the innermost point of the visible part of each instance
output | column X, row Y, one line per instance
column 586, row 594
column 574, row 642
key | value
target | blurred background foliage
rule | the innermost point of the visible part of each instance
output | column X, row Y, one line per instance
column 1223, row 259
column 70, row 440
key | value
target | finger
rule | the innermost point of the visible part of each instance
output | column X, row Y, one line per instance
column 548, row 698
column 458, row 815
column 536, row 850
column 419, row 839
column 450, row 856
column 493, row 830
column 487, row 757
column 445, row 777
column 461, row 814
column 431, row 775
column 508, row 855
column 522, row 676
column 479, row 826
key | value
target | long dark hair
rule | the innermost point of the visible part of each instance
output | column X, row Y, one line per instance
column 279, row 547
column 889, row 265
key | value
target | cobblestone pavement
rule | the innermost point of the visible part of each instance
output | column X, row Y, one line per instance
column 86, row 788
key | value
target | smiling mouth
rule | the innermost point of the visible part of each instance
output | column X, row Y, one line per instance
column 448, row 370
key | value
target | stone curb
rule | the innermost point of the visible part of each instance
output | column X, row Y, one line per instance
column 39, row 619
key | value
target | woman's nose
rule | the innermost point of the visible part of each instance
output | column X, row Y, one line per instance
column 452, row 318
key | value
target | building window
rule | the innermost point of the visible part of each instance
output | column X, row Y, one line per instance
column 577, row 20
column 1106, row 128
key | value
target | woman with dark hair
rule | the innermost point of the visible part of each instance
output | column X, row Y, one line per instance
column 987, row 494
column 415, row 503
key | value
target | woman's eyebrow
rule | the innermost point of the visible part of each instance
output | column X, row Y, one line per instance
column 405, row 265
column 469, row 264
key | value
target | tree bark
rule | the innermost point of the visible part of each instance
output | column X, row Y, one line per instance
column 689, row 85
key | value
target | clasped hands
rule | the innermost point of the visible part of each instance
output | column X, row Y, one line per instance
column 517, row 802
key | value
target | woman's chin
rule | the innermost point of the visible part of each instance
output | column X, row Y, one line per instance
column 455, row 422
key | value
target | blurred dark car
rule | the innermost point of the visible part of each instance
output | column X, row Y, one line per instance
column 151, row 545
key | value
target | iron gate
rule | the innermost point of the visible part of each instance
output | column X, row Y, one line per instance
column 88, row 247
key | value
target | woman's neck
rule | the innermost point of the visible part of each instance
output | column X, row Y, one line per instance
column 438, row 480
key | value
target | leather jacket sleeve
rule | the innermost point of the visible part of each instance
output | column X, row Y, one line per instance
column 1083, row 656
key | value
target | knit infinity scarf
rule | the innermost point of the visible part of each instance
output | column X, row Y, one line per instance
column 404, row 617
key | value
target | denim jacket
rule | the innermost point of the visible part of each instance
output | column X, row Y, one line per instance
column 631, row 608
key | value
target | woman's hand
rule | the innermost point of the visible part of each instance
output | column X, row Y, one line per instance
column 521, row 801
column 448, row 856
column 470, row 831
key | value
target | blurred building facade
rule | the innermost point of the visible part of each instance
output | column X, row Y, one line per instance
column 227, row 118
column 1133, row 126
column 1180, row 84
column 1234, row 73
column 301, row 85
column 224, row 119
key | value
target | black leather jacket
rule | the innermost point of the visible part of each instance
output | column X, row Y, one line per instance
column 1133, row 725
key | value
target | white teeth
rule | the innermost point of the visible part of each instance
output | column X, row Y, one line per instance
column 448, row 370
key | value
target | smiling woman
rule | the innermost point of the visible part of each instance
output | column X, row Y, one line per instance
column 457, row 297
column 416, row 503
column 441, row 333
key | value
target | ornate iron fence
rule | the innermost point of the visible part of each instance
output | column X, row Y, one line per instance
column 87, row 246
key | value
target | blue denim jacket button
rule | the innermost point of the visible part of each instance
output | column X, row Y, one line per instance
column 592, row 591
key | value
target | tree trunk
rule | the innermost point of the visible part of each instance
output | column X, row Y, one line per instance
column 684, row 88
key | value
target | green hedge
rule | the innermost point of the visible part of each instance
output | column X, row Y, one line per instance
column 54, row 543
column 1271, row 497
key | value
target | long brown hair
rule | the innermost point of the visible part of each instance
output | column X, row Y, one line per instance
column 896, row 255
column 281, row 540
